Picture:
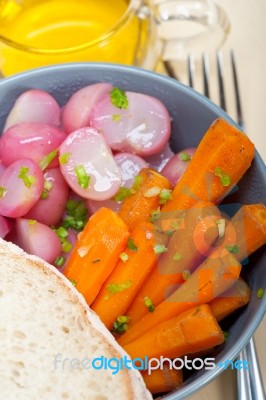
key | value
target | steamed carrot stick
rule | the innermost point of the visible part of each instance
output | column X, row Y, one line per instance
column 188, row 246
column 221, row 159
column 237, row 296
column 163, row 380
column 128, row 276
column 96, row 252
column 215, row 275
column 138, row 207
column 192, row 331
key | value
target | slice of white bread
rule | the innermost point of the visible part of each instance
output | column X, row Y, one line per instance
column 44, row 321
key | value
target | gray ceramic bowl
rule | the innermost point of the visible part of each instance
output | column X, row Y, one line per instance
column 192, row 114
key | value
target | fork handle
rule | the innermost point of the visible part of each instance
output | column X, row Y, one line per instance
column 250, row 389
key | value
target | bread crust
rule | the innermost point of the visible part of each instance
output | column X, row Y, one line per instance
column 132, row 379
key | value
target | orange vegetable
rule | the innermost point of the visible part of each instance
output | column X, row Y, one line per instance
column 163, row 380
column 215, row 275
column 96, row 252
column 221, row 159
column 138, row 207
column 187, row 248
column 129, row 274
column 237, row 296
column 192, row 331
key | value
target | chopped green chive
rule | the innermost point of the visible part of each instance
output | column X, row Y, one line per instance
column 221, row 227
column 124, row 257
column 46, row 160
column 184, row 156
column 24, row 175
column 32, row 221
column 66, row 246
column 196, row 311
column 2, row 192
column 224, row 178
column 160, row 248
column 76, row 215
column 59, row 261
column 48, row 185
column 122, row 194
column 116, row 117
column 186, row 274
column 169, row 232
column 64, row 158
column 96, row 260
column 121, row 324
column 232, row 249
column 177, row 257
column 226, row 335
column 114, row 288
column 131, row 245
column 83, row 178
column 149, row 304
column 74, row 283
column 155, row 214
column 260, row 293
column 61, row 232
column 165, row 195
column 119, row 98
column 137, row 182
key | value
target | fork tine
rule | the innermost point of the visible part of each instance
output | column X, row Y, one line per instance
column 191, row 70
column 206, row 75
column 236, row 90
column 220, row 72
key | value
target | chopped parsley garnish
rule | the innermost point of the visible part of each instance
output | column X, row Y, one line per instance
column 121, row 324
column 160, row 248
column 24, row 175
column 2, row 192
column 165, row 195
column 177, row 257
column 64, row 158
column 232, row 249
column 119, row 98
column 184, row 156
column 82, row 176
column 131, row 245
column 260, row 293
column 59, row 261
column 46, row 160
column 124, row 257
column 149, row 304
column 225, row 179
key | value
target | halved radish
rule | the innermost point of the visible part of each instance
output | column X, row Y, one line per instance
column 38, row 239
column 32, row 140
column 130, row 165
column 88, row 165
column 158, row 161
column 177, row 165
column 141, row 127
column 77, row 111
column 50, row 208
column 34, row 106
column 21, row 186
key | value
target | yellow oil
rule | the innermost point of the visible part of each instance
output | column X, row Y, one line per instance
column 62, row 24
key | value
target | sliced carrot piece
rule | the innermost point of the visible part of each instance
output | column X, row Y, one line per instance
column 221, row 159
column 128, row 275
column 163, row 380
column 138, row 207
column 96, row 252
column 192, row 331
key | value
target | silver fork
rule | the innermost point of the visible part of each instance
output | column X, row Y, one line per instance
column 249, row 381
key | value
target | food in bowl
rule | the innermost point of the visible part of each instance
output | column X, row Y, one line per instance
column 152, row 197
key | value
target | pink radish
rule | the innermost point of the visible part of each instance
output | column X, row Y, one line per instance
column 34, row 106
column 142, row 126
column 38, row 239
column 50, row 208
column 21, row 186
column 32, row 140
column 88, row 165
column 130, row 165
column 177, row 165
column 77, row 111
column 158, row 161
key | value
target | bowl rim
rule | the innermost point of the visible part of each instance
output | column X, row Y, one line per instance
column 195, row 384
